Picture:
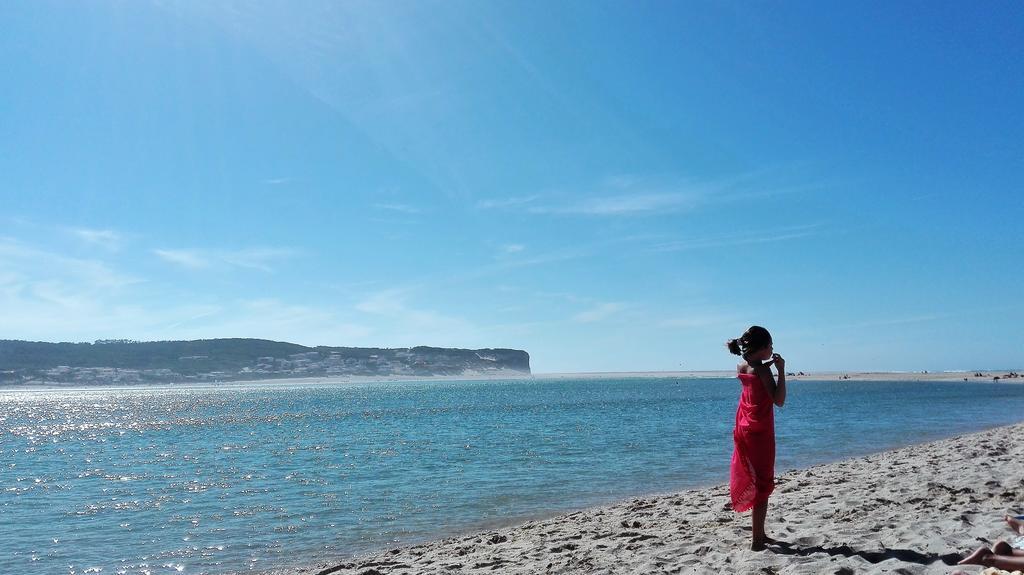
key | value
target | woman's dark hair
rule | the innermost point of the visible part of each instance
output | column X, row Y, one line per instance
column 754, row 339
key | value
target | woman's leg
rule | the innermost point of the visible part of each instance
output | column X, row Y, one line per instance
column 989, row 558
column 1016, row 524
column 1005, row 562
column 977, row 557
column 1003, row 548
column 757, row 523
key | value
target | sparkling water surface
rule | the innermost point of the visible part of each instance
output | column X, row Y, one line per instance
column 235, row 479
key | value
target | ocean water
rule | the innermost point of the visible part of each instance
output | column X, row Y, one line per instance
column 237, row 479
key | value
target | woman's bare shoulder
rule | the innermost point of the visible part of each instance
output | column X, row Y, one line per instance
column 744, row 367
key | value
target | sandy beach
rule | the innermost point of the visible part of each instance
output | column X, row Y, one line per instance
column 913, row 510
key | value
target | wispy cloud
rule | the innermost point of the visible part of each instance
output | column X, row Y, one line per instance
column 261, row 259
column 628, row 204
column 52, row 297
column 554, row 256
column 636, row 196
column 385, row 302
column 697, row 320
column 273, row 318
column 528, row 258
column 409, row 325
column 46, row 295
column 927, row 317
column 505, row 203
column 191, row 259
column 194, row 315
column 512, row 248
column 599, row 312
column 739, row 238
column 35, row 262
column 617, row 196
column 899, row 320
column 107, row 239
column 277, row 181
column 257, row 258
column 401, row 208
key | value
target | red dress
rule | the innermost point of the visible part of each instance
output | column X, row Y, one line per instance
column 752, row 473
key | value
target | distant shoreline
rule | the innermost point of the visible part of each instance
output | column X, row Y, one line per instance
column 987, row 376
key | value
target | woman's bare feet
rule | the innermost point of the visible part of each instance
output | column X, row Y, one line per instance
column 1016, row 524
column 762, row 543
column 976, row 558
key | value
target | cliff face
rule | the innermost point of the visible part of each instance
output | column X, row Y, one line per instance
column 124, row 362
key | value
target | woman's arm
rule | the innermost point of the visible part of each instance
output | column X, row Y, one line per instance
column 765, row 374
column 777, row 391
column 780, row 388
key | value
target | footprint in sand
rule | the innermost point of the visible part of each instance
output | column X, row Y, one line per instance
column 809, row 540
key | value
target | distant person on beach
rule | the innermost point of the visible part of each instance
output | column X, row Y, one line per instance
column 752, row 473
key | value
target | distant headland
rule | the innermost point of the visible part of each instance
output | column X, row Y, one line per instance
column 128, row 362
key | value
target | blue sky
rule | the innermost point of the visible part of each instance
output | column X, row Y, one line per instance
column 609, row 185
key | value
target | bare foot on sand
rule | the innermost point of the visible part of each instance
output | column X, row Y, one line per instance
column 758, row 546
column 1016, row 524
column 975, row 558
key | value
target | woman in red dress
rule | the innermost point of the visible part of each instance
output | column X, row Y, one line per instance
column 752, row 473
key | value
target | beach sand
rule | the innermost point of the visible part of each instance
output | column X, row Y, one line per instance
column 913, row 510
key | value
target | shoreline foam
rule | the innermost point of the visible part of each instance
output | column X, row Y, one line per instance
column 912, row 510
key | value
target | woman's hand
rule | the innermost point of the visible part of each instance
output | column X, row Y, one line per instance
column 780, row 363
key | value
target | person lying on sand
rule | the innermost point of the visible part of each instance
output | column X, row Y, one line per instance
column 1002, row 555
